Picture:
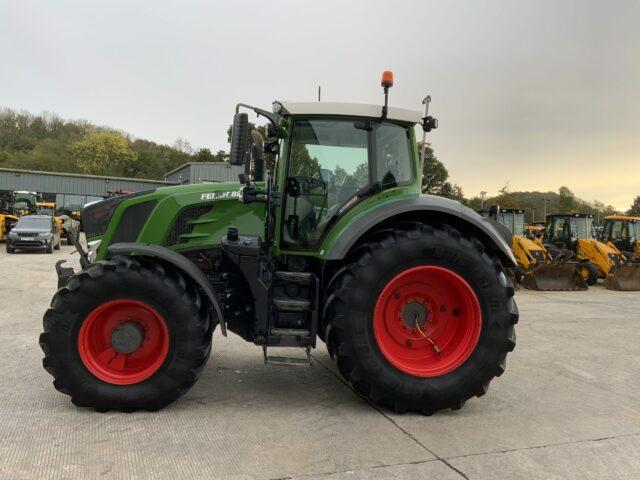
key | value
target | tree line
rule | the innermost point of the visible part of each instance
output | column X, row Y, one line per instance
column 46, row 142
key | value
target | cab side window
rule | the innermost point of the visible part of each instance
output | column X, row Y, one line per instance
column 393, row 155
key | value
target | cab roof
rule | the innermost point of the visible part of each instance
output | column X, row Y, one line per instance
column 575, row 215
column 624, row 218
column 286, row 108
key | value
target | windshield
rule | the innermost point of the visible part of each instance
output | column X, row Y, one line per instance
column 330, row 161
column 569, row 228
column 45, row 211
column 623, row 231
column 582, row 227
column 36, row 223
column 513, row 221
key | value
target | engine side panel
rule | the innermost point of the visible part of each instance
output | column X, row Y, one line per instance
column 187, row 217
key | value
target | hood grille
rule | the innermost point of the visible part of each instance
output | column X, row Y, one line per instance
column 181, row 224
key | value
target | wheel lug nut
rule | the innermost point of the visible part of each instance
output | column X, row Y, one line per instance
column 443, row 308
column 409, row 343
column 397, row 295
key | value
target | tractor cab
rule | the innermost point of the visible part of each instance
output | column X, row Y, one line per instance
column 565, row 229
column 24, row 203
column 513, row 219
column 334, row 163
column 623, row 232
column 46, row 208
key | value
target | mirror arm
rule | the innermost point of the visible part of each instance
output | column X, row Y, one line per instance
column 272, row 117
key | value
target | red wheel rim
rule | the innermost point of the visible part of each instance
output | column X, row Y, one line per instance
column 103, row 360
column 446, row 310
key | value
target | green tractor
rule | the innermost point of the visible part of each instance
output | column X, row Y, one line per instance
column 407, row 291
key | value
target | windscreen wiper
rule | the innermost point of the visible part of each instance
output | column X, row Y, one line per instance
column 369, row 189
column 363, row 192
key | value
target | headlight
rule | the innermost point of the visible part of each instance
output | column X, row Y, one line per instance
column 96, row 215
column 92, row 250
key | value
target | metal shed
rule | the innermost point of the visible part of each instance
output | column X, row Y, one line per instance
column 199, row 172
column 71, row 190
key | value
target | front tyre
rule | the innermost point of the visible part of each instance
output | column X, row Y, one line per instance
column 126, row 334
column 590, row 273
column 421, row 319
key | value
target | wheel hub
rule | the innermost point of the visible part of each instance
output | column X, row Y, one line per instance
column 415, row 313
column 128, row 337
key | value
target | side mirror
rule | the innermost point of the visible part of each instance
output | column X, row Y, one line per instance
column 494, row 210
column 257, row 149
column 272, row 130
column 272, row 148
column 239, row 139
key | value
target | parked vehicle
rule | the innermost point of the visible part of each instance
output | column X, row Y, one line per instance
column 408, row 291
column 573, row 232
column 34, row 232
column 537, row 270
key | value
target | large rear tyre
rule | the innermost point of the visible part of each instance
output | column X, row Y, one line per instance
column 421, row 319
column 126, row 334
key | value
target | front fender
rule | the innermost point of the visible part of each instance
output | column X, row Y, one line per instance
column 178, row 261
column 495, row 236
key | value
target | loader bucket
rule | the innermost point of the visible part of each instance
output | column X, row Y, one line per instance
column 626, row 278
column 555, row 277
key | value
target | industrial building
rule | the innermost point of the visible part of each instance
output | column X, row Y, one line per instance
column 71, row 191
column 200, row 172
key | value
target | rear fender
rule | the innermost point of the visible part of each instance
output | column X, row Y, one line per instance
column 427, row 208
column 178, row 261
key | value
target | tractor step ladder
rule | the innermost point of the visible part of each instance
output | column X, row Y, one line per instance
column 288, row 305
column 287, row 361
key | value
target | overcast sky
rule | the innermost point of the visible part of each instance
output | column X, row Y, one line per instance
column 537, row 94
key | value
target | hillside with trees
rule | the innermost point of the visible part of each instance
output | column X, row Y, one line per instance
column 48, row 143
column 533, row 203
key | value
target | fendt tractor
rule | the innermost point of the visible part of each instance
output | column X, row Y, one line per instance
column 407, row 291
column 573, row 232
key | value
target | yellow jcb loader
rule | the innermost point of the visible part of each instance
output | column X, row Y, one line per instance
column 538, row 271
column 574, row 232
column 7, row 222
column 7, row 219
